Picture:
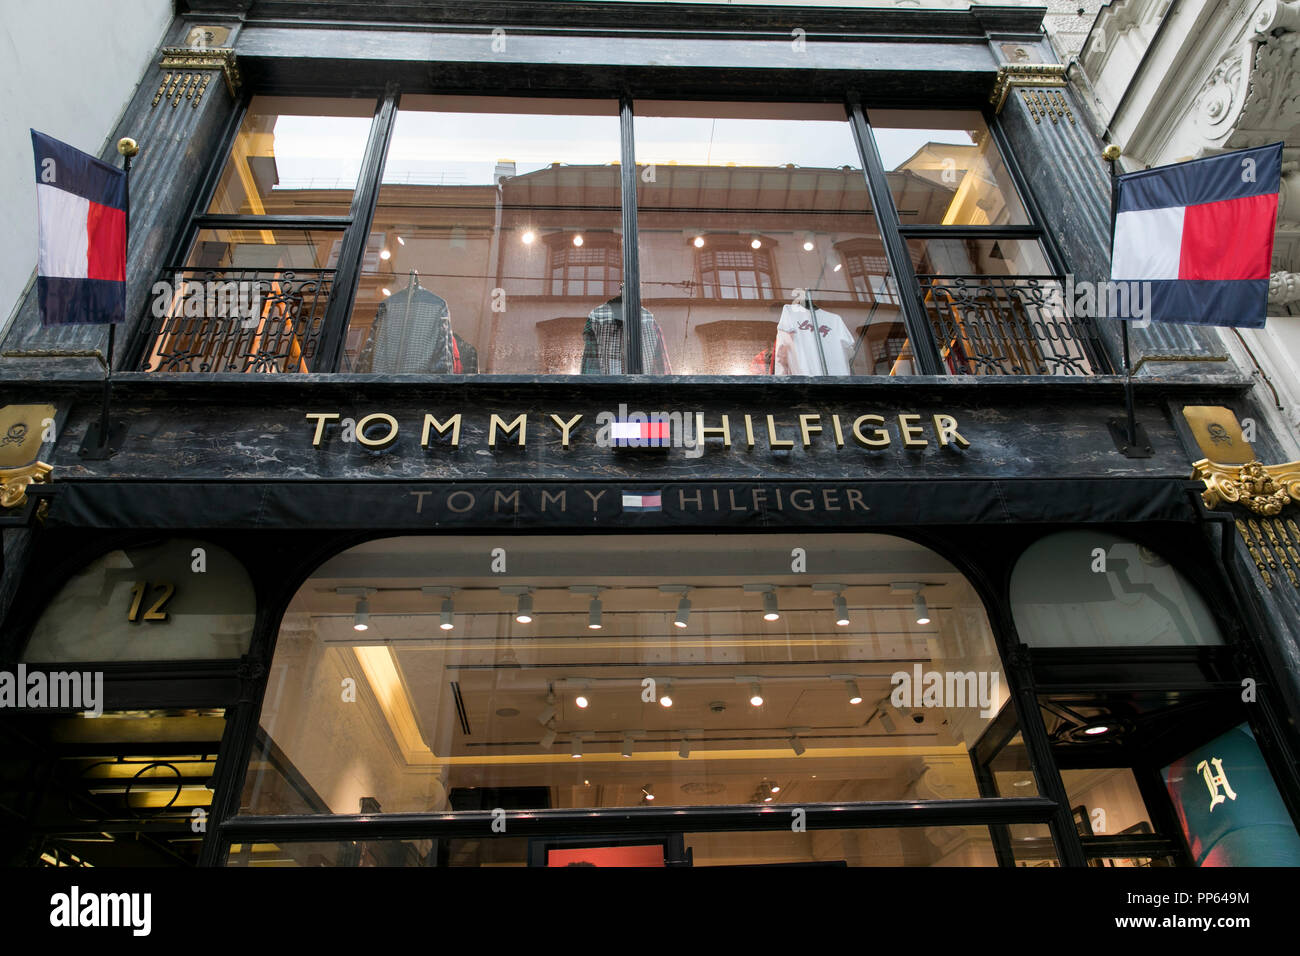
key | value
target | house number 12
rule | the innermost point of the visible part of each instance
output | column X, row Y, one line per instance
column 156, row 612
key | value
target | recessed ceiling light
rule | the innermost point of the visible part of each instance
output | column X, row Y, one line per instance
column 385, row 254
column 528, row 237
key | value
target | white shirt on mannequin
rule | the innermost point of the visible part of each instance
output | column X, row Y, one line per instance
column 797, row 343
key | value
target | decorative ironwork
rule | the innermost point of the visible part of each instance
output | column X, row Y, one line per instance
column 237, row 320
column 1008, row 325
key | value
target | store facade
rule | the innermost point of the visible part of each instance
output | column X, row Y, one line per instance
column 406, row 555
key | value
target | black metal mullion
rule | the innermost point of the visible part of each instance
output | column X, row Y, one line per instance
column 919, row 330
column 211, row 221
column 362, row 213
column 631, row 261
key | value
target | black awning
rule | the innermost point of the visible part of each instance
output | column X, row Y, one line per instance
column 413, row 506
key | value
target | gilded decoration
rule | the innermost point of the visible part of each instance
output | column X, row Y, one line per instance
column 189, row 71
column 1038, row 75
column 1264, row 489
column 14, row 482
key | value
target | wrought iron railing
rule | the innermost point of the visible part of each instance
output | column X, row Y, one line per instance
column 236, row 320
column 1009, row 325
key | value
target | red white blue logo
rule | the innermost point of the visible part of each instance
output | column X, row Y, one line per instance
column 643, row 501
column 81, row 259
column 1202, row 234
column 656, row 434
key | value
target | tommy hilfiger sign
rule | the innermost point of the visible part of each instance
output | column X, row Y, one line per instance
column 690, row 430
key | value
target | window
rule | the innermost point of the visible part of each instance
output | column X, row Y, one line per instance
column 867, row 270
column 582, row 265
column 734, row 270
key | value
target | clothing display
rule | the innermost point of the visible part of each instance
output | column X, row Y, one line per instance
column 411, row 334
column 466, row 355
column 763, row 362
column 602, row 342
column 801, row 347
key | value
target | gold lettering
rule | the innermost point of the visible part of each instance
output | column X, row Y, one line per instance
column 702, row 433
column 945, row 426
column 321, row 419
column 564, row 428
column 911, row 433
column 441, row 427
column 839, row 432
column 749, row 432
column 882, row 437
column 377, row 442
column 806, row 428
column 772, row 440
column 497, row 421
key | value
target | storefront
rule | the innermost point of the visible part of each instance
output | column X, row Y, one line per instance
column 407, row 556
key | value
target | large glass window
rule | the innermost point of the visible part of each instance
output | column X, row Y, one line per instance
column 409, row 678
column 743, row 210
column 496, row 217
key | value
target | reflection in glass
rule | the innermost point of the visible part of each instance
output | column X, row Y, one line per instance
column 1090, row 589
column 492, row 704
column 945, row 169
column 759, row 253
column 894, row 846
column 294, row 156
column 496, row 238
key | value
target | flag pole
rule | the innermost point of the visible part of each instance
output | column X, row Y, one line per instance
column 105, row 447
column 1130, row 445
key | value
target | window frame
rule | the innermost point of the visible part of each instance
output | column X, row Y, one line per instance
column 356, row 226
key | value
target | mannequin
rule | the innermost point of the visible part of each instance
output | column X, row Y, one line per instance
column 411, row 334
column 602, row 339
column 812, row 341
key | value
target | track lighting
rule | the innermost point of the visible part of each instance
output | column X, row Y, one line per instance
column 841, row 611
column 796, row 745
column 548, row 737
column 921, row 609
column 855, row 695
column 524, row 607
column 666, row 698
column 594, row 615
column 361, row 616
column 576, row 749
column 446, row 623
column 627, row 745
column 684, row 750
column 648, row 793
column 683, row 612
column 446, row 614
column 770, row 611
column 582, row 700
column 548, row 712
column 755, row 694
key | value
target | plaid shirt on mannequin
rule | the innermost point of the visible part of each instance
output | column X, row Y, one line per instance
column 411, row 334
column 602, row 340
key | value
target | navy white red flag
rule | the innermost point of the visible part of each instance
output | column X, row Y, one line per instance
column 1201, row 233
column 81, row 259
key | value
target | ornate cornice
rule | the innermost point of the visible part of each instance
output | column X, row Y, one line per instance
column 189, row 71
column 1263, row 489
column 1024, row 74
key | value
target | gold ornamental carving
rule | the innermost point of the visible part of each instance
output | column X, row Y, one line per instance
column 1038, row 75
column 14, row 482
column 189, row 71
column 1263, row 489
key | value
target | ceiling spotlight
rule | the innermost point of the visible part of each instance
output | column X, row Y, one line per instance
column 698, row 242
column 576, row 751
column 684, row 750
column 770, row 613
column 401, row 241
column 627, row 745
column 921, row 609
column 385, row 254
column 796, row 745
column 524, row 612
column 766, row 791
column 838, row 266
column 361, row 616
column 593, row 615
column 446, row 623
column 666, row 698
column 528, row 237
column 756, row 243
column 386, row 291
column 808, row 246
column 855, row 695
column 1096, row 730
column 774, row 788
column 885, row 720
column 648, row 792
column 548, row 712
column 755, row 695
column 683, row 612
column 841, row 611
column 577, row 240
column 548, row 738
column 582, row 700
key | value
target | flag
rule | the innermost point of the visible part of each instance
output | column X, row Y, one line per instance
column 656, row 434
column 1201, row 233
column 81, row 257
column 650, row 501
